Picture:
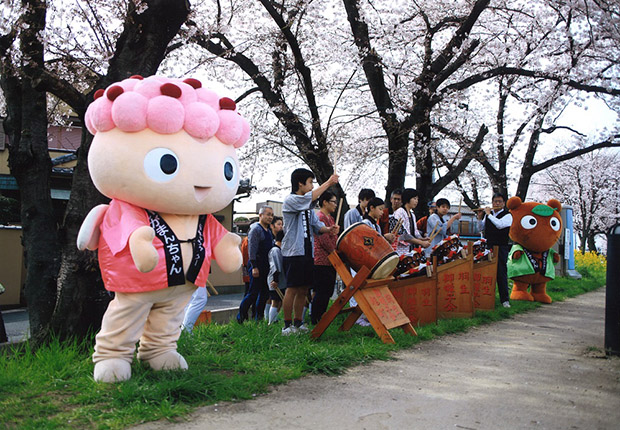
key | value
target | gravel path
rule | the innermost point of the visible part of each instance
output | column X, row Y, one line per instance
column 540, row 370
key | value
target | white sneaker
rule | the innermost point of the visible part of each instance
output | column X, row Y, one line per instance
column 506, row 304
column 363, row 321
column 303, row 328
column 289, row 330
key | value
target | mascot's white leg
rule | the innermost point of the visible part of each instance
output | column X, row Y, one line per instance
column 121, row 328
column 158, row 344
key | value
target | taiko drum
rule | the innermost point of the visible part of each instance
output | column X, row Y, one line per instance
column 361, row 245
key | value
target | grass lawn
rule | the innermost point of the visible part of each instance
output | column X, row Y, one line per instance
column 53, row 388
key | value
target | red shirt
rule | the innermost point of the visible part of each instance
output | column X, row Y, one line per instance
column 324, row 244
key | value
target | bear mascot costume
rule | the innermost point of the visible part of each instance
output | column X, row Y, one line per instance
column 164, row 153
column 535, row 229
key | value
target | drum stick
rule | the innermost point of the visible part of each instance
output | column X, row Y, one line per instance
column 397, row 226
column 339, row 209
column 460, row 203
column 212, row 287
column 335, row 160
column 432, row 236
column 279, row 291
column 433, row 232
column 481, row 209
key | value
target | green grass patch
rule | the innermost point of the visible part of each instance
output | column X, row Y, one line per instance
column 53, row 388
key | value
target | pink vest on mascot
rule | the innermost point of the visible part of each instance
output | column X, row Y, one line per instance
column 117, row 267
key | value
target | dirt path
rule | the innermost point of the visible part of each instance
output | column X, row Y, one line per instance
column 535, row 371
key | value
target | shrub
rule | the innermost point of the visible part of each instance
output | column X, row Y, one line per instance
column 591, row 264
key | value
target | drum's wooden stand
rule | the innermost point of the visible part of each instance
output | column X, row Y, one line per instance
column 374, row 299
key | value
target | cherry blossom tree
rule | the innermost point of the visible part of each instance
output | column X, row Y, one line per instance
column 593, row 193
column 585, row 59
column 66, row 295
column 384, row 89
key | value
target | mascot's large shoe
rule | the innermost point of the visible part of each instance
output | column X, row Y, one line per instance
column 531, row 263
column 164, row 153
column 112, row 370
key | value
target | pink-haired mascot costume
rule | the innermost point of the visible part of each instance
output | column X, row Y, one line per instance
column 164, row 152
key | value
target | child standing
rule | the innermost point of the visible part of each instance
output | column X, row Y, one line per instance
column 324, row 272
column 300, row 226
column 276, row 278
column 439, row 223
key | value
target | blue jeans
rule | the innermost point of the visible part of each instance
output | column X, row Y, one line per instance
column 193, row 309
column 258, row 293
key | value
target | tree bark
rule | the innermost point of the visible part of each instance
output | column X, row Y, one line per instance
column 30, row 164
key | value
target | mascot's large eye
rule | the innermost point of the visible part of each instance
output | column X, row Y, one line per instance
column 528, row 222
column 555, row 224
column 161, row 164
column 231, row 176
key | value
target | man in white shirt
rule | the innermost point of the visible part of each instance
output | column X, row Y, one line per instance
column 496, row 223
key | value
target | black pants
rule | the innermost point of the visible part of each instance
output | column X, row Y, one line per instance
column 257, row 296
column 323, row 285
column 3, row 336
column 502, row 272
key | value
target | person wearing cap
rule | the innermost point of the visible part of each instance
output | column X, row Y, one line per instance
column 423, row 222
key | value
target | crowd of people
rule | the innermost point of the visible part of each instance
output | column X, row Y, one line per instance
column 286, row 265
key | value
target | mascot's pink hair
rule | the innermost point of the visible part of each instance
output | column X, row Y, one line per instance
column 167, row 106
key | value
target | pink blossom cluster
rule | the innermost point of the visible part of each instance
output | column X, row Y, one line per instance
column 167, row 106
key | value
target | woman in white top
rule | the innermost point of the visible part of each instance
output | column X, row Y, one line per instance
column 408, row 234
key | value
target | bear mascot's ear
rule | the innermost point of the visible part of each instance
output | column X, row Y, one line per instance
column 555, row 204
column 514, row 202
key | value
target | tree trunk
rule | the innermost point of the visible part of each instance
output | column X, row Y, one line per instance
column 423, row 156
column 30, row 164
column 398, row 146
column 582, row 244
column 139, row 50
column 592, row 243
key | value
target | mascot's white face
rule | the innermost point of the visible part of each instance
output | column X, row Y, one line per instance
column 168, row 173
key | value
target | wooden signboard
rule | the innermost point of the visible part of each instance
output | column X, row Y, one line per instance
column 418, row 298
column 374, row 300
column 455, row 298
column 484, row 281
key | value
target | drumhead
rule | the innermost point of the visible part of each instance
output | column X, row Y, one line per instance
column 385, row 267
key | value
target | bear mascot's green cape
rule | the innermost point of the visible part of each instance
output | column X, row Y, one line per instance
column 535, row 229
